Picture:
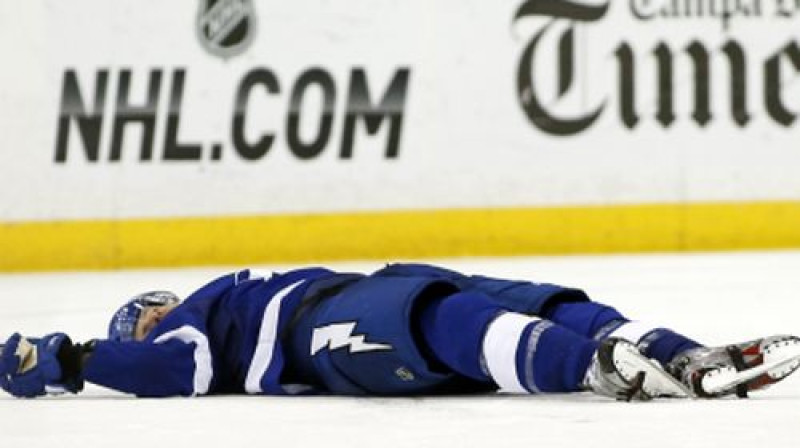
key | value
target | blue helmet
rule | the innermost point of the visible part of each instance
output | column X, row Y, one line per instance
column 123, row 323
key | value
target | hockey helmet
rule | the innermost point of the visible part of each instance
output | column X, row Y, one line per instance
column 123, row 323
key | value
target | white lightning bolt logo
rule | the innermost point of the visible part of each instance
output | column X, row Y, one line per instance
column 341, row 335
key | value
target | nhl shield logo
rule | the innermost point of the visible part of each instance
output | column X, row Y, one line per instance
column 225, row 27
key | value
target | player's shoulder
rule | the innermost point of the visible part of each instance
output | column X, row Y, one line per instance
column 283, row 276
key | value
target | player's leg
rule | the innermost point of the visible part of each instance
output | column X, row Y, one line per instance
column 598, row 321
column 470, row 333
column 708, row 371
column 572, row 308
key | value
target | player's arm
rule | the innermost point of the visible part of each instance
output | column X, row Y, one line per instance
column 171, row 367
column 31, row 367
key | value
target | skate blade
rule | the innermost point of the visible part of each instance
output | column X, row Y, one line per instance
column 657, row 382
column 778, row 365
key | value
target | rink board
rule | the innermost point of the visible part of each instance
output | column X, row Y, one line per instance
column 391, row 235
column 164, row 133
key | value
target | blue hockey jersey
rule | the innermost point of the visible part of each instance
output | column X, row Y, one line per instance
column 230, row 336
column 224, row 338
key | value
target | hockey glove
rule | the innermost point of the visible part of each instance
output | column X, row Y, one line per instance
column 31, row 367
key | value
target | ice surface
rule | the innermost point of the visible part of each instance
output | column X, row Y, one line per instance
column 717, row 298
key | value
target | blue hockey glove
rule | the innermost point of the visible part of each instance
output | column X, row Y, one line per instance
column 31, row 368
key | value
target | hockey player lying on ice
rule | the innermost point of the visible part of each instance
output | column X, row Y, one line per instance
column 404, row 330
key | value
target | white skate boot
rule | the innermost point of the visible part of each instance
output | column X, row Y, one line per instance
column 619, row 371
column 718, row 371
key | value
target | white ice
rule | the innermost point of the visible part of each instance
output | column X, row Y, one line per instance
column 717, row 298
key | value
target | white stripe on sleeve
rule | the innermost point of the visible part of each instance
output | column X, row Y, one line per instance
column 203, row 369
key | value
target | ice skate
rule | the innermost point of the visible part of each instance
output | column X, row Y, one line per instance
column 619, row 371
column 719, row 371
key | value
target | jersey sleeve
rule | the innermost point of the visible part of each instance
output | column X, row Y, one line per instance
column 176, row 363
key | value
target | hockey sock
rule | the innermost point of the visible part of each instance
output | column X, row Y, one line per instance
column 475, row 337
column 663, row 345
column 598, row 321
column 658, row 343
column 585, row 318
